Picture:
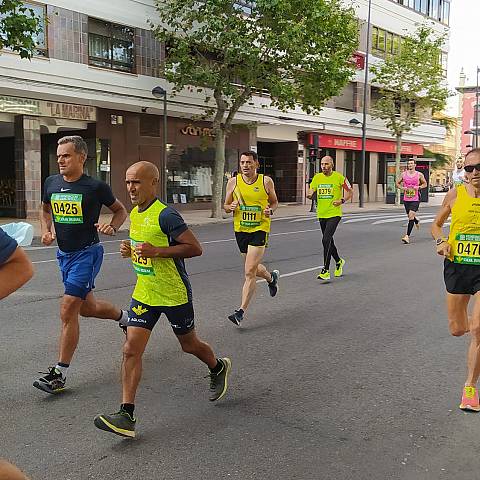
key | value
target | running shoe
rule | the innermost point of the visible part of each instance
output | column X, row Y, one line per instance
column 470, row 399
column 122, row 323
column 120, row 423
column 339, row 268
column 406, row 239
column 324, row 274
column 236, row 317
column 52, row 382
column 273, row 285
column 219, row 381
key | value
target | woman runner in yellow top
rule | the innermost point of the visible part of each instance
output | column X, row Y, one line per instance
column 462, row 268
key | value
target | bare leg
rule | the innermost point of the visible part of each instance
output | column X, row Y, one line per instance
column 10, row 472
column 457, row 314
column 93, row 307
column 190, row 343
column 262, row 272
column 69, row 310
column 252, row 261
column 133, row 348
column 473, row 359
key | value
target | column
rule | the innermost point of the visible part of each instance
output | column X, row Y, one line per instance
column 373, row 177
column 340, row 162
column 28, row 176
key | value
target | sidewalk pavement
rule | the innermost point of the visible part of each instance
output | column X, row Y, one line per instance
column 285, row 210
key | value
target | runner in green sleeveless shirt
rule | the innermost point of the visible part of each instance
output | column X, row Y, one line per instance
column 159, row 243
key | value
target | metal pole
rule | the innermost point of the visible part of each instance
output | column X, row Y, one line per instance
column 477, row 94
column 164, row 145
column 364, row 118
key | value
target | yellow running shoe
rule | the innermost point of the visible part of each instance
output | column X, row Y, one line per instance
column 324, row 274
column 339, row 268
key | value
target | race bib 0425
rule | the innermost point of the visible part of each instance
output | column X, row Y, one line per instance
column 141, row 265
column 467, row 249
column 251, row 216
column 410, row 192
column 67, row 207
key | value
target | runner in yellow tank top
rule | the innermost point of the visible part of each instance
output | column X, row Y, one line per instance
column 462, row 268
column 252, row 199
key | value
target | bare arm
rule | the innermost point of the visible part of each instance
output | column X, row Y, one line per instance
column 46, row 224
column 399, row 183
column 423, row 182
column 437, row 225
column 119, row 215
column 230, row 203
column 15, row 272
column 188, row 247
column 347, row 188
column 272, row 195
column 310, row 193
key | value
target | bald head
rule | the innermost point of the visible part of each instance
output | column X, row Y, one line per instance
column 146, row 170
column 327, row 158
column 142, row 180
column 326, row 164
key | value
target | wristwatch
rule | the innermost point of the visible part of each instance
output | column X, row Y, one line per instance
column 439, row 241
column 342, row 200
column 271, row 211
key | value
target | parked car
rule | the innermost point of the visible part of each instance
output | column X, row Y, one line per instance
column 438, row 188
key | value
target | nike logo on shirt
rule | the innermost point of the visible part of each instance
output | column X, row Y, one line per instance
column 65, row 189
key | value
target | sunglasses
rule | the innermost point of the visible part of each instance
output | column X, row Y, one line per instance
column 470, row 168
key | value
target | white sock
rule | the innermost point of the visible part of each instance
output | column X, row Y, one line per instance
column 62, row 369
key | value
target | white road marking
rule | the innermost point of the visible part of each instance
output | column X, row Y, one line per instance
column 372, row 217
column 35, row 249
column 291, row 274
column 402, row 218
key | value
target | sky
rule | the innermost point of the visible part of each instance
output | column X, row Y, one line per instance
column 464, row 52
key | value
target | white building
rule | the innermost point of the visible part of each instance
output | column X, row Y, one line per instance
column 93, row 75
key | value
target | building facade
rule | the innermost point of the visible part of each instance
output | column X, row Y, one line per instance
column 93, row 73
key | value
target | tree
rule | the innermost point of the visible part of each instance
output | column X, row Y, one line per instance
column 412, row 86
column 297, row 51
column 18, row 27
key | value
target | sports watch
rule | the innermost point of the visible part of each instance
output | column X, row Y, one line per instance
column 439, row 241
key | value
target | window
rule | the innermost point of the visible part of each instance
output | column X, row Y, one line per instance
column 244, row 6
column 385, row 43
column 444, row 63
column 439, row 10
column 111, row 45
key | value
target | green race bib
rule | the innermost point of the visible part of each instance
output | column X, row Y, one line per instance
column 466, row 249
column 67, row 207
column 325, row 191
column 251, row 216
column 141, row 265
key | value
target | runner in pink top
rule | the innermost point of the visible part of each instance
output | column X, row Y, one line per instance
column 411, row 182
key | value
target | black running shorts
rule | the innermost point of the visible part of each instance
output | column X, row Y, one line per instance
column 411, row 206
column 461, row 279
column 255, row 239
column 181, row 317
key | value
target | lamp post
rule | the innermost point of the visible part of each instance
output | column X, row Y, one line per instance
column 159, row 92
column 363, row 123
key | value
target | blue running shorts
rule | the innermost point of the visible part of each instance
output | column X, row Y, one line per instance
column 79, row 269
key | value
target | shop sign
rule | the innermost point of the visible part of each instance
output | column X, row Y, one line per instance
column 359, row 60
column 380, row 146
column 42, row 108
column 197, row 131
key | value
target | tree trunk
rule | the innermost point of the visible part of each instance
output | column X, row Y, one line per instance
column 398, row 157
column 219, row 173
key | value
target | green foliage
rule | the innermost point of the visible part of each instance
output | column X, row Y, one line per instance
column 412, row 82
column 18, row 25
column 298, row 51
column 441, row 160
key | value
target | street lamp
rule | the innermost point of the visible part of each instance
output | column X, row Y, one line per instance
column 159, row 92
column 363, row 123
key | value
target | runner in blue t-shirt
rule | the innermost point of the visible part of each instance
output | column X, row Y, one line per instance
column 71, row 203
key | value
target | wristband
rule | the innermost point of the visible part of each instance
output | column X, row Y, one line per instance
column 342, row 200
column 114, row 229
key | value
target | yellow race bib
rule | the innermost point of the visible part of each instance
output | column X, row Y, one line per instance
column 466, row 249
column 141, row 265
column 325, row 191
column 67, row 207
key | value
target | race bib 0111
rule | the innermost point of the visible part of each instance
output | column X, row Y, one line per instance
column 251, row 216
column 67, row 207
column 141, row 265
column 467, row 249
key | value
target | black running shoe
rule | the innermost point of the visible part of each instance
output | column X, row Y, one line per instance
column 236, row 317
column 120, row 423
column 122, row 323
column 273, row 285
column 219, row 381
column 52, row 382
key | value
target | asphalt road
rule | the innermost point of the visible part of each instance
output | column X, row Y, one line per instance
column 353, row 379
